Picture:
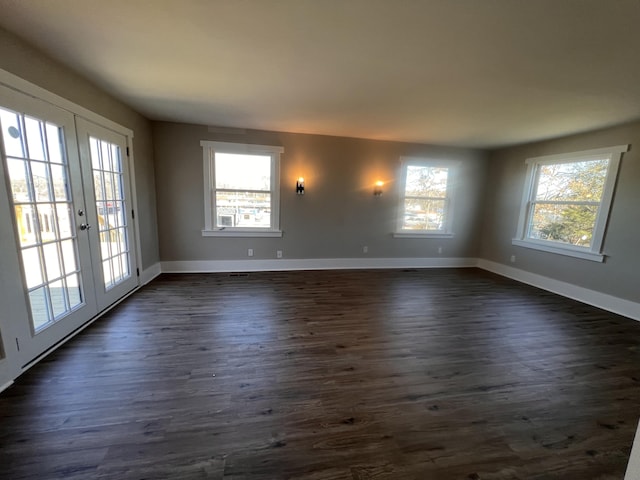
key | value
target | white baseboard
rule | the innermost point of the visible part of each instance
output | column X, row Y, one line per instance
column 150, row 273
column 601, row 300
column 5, row 386
column 210, row 266
column 633, row 468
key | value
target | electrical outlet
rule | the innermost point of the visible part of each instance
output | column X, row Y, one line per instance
column 513, row 259
column 439, row 250
column 365, row 249
column 279, row 253
column 250, row 252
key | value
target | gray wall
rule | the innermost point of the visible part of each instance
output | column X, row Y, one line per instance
column 24, row 61
column 620, row 273
column 336, row 217
column 339, row 215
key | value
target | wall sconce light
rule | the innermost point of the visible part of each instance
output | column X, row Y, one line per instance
column 377, row 188
column 300, row 186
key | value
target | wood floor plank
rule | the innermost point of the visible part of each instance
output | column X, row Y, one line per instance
column 332, row 375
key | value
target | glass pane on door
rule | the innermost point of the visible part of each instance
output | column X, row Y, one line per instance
column 38, row 171
column 111, row 207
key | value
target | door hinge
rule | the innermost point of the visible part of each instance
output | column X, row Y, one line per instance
column 127, row 151
column 133, row 214
column 137, row 271
column 17, row 344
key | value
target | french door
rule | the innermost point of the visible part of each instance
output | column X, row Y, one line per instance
column 107, row 192
column 58, row 192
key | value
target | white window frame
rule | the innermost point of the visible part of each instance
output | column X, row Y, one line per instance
column 593, row 253
column 446, row 230
column 209, row 150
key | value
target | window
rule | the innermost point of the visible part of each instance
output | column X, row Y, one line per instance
column 425, row 203
column 241, row 191
column 566, row 202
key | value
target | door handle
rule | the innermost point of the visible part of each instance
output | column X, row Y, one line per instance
column 85, row 226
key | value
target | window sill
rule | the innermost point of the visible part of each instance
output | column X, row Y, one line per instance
column 423, row 234
column 228, row 232
column 559, row 250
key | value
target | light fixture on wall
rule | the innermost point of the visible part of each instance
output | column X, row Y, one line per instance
column 377, row 188
column 300, row 186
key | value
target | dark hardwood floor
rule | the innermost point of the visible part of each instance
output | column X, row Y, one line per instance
column 346, row 375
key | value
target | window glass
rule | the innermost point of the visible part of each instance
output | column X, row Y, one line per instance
column 243, row 172
column 565, row 205
column 425, row 198
column 426, row 181
column 243, row 209
column 576, row 181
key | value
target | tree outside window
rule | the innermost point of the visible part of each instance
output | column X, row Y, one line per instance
column 567, row 200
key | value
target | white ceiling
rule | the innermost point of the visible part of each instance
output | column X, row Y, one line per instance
column 481, row 73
